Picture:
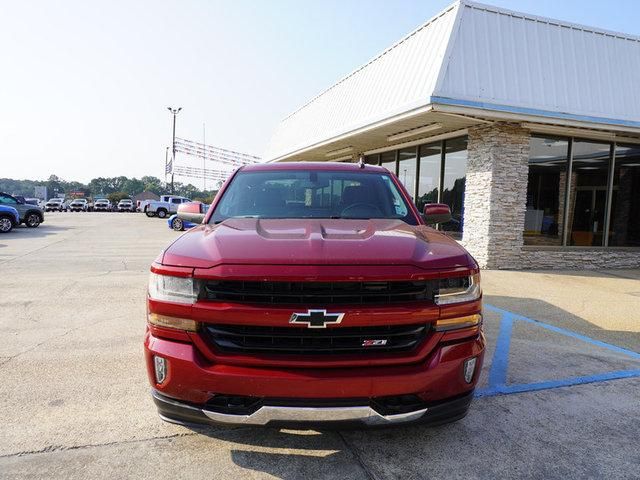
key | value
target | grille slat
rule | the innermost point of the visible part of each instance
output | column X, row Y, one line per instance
column 300, row 340
column 320, row 293
column 226, row 331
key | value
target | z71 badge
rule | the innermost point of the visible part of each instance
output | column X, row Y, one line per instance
column 374, row 343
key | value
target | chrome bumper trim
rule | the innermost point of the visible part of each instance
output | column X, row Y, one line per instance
column 267, row 414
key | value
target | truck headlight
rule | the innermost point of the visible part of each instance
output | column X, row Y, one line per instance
column 173, row 289
column 458, row 290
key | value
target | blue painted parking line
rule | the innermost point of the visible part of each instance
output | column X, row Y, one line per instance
column 564, row 331
column 497, row 381
column 566, row 382
column 500, row 363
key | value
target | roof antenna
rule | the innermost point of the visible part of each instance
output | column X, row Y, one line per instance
column 361, row 163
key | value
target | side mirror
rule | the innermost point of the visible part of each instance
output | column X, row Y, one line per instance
column 436, row 213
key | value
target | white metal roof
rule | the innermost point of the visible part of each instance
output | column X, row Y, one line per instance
column 482, row 57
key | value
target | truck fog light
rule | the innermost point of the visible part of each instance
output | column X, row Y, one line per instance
column 469, row 369
column 160, row 365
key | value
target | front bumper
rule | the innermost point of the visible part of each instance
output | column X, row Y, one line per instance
column 364, row 415
column 305, row 396
column 195, row 379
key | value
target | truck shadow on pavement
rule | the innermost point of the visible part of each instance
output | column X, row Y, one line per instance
column 549, row 433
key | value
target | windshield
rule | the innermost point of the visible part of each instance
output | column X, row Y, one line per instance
column 312, row 194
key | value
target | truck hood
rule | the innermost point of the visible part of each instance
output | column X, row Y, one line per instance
column 315, row 242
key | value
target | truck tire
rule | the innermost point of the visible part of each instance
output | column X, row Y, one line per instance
column 162, row 213
column 149, row 214
column 6, row 224
column 32, row 220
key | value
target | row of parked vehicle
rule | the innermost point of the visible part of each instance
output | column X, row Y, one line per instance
column 183, row 213
column 15, row 210
column 83, row 205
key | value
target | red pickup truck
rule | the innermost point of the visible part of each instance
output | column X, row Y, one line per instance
column 314, row 293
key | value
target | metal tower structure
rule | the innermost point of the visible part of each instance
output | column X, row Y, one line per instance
column 224, row 161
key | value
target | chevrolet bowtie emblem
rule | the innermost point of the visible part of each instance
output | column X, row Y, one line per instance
column 316, row 318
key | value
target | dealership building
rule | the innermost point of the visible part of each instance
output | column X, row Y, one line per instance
column 527, row 127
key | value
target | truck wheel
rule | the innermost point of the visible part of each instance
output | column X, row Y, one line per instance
column 6, row 225
column 32, row 220
column 150, row 214
column 161, row 213
column 177, row 225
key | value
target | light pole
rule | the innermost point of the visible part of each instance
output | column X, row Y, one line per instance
column 166, row 163
column 174, row 112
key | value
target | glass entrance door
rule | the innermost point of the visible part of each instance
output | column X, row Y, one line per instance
column 588, row 220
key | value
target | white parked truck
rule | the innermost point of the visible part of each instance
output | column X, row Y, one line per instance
column 144, row 204
column 126, row 205
column 167, row 204
column 102, row 205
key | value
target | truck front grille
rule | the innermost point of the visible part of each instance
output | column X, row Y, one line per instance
column 320, row 293
column 249, row 339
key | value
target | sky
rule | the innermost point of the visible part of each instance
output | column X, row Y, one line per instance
column 85, row 85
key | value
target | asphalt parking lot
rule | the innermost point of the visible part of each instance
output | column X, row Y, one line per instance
column 558, row 396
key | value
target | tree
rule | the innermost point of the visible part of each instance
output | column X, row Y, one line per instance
column 153, row 184
column 118, row 183
column 54, row 185
column 133, row 186
column 100, row 186
column 115, row 197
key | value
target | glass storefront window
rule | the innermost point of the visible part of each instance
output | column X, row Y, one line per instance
column 548, row 203
column 455, row 172
column 624, row 227
column 388, row 161
column 424, row 179
column 588, row 193
column 407, row 169
column 429, row 181
column 545, row 190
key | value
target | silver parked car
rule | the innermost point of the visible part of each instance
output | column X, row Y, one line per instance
column 30, row 215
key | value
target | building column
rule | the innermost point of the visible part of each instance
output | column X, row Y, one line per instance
column 495, row 194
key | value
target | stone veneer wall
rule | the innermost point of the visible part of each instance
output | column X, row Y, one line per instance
column 575, row 258
column 495, row 194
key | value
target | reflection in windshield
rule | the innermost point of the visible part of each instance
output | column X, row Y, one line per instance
column 313, row 194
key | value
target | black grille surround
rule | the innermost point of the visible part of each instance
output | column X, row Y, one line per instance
column 320, row 293
column 265, row 340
